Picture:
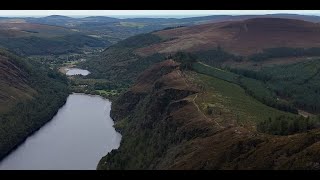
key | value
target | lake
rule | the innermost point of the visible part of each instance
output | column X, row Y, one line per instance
column 76, row 71
column 79, row 135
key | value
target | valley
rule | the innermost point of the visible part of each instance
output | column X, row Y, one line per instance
column 178, row 136
column 205, row 93
column 85, row 135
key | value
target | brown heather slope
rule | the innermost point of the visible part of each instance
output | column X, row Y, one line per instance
column 13, row 83
column 163, row 128
column 22, row 29
column 238, row 37
column 123, row 61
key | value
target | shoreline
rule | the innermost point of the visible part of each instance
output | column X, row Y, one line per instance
column 32, row 133
column 63, row 68
column 46, row 123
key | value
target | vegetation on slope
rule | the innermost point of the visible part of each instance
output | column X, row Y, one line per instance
column 165, row 125
column 101, row 87
column 285, row 125
column 222, row 96
column 216, row 56
column 281, row 52
column 47, row 46
column 119, row 64
column 26, row 116
column 253, row 87
column 297, row 84
column 227, row 123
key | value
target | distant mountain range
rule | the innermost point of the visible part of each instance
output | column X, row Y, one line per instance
column 212, row 92
column 65, row 20
column 185, row 110
column 239, row 37
column 247, row 43
column 106, row 30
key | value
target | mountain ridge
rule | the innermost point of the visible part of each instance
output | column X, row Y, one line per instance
column 234, row 36
column 163, row 128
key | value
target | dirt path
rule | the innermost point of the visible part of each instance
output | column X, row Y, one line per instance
column 304, row 113
column 208, row 119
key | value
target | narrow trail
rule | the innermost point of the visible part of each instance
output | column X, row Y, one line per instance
column 304, row 113
column 184, row 79
column 208, row 119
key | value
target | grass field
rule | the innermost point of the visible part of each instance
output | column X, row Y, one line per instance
column 226, row 95
column 218, row 73
column 258, row 88
column 230, row 101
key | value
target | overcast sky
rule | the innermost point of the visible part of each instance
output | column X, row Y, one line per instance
column 149, row 13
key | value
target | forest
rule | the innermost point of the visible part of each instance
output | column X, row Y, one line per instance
column 119, row 64
column 281, row 52
column 285, row 125
column 50, row 46
column 28, row 116
column 253, row 87
column 215, row 56
column 296, row 83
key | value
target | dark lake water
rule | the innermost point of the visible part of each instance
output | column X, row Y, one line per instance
column 76, row 71
column 78, row 136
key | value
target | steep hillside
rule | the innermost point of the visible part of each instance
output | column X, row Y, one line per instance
column 246, row 46
column 166, row 124
column 239, row 37
column 250, row 41
column 30, row 95
column 39, row 30
column 50, row 46
column 40, row 39
column 13, row 82
column 119, row 64
column 116, row 29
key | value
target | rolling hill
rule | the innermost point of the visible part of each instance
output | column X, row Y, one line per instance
column 247, row 43
column 116, row 29
column 188, row 111
column 185, row 103
column 40, row 39
column 14, row 83
column 241, row 37
column 39, row 30
column 165, row 123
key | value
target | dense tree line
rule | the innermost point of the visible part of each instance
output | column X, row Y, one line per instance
column 186, row 60
column 28, row 116
column 51, row 46
column 253, row 87
column 174, row 27
column 281, row 52
column 250, row 74
column 138, row 41
column 285, row 125
column 270, row 101
column 298, row 83
column 215, row 56
column 119, row 64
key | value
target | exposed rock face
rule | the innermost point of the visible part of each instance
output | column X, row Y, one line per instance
column 163, row 128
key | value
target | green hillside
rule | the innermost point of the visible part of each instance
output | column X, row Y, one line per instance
column 44, row 92
column 51, row 45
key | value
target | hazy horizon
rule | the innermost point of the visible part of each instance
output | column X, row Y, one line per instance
column 148, row 13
